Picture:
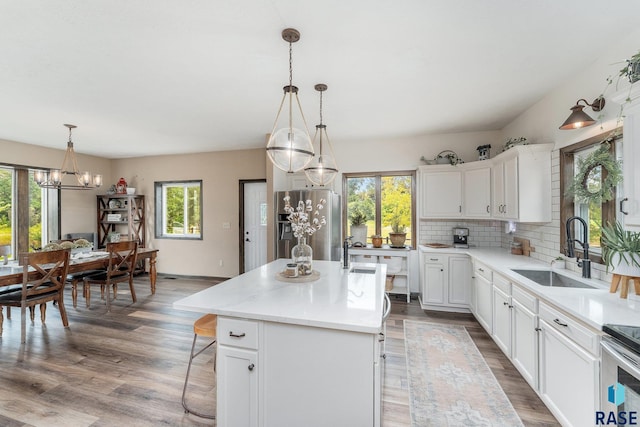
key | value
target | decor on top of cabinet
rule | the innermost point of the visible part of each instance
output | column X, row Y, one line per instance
column 305, row 221
column 448, row 157
column 632, row 69
column 588, row 185
column 512, row 142
column 358, row 220
column 484, row 152
column 121, row 186
column 621, row 250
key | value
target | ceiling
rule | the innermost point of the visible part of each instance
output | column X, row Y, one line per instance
column 151, row 77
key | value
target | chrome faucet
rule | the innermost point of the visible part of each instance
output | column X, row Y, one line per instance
column 345, row 250
column 585, row 262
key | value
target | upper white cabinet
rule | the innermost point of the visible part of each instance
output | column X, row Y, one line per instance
column 441, row 192
column 514, row 185
column 630, row 202
column 476, row 189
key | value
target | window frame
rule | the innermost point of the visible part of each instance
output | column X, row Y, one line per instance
column 160, row 208
column 567, row 205
column 378, row 175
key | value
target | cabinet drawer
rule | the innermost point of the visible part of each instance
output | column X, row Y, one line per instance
column 238, row 333
column 482, row 270
column 524, row 298
column 428, row 258
column 502, row 283
column 581, row 335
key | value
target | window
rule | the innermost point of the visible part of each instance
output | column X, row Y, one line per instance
column 26, row 223
column 178, row 210
column 386, row 200
column 594, row 214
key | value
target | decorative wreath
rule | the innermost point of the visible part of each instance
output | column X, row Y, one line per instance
column 580, row 186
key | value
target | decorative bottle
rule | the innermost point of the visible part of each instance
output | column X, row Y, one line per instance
column 302, row 256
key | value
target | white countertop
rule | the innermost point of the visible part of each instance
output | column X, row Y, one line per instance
column 337, row 300
column 595, row 307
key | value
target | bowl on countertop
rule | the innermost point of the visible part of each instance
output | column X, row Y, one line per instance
column 131, row 191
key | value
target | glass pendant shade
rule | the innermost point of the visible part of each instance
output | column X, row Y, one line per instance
column 322, row 170
column 290, row 147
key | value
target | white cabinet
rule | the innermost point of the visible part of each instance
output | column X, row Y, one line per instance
column 398, row 266
column 521, row 184
column 502, row 310
column 441, row 191
column 504, row 183
column 237, row 372
column 476, row 188
column 445, row 282
column 524, row 335
column 514, row 185
column 569, row 371
column 482, row 277
column 631, row 157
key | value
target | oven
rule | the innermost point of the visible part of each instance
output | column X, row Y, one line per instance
column 620, row 367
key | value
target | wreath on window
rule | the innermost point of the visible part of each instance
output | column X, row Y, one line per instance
column 597, row 176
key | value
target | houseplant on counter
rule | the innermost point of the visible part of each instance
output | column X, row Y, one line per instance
column 358, row 220
column 305, row 221
column 621, row 250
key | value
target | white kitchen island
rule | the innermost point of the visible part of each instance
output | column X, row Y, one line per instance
column 297, row 354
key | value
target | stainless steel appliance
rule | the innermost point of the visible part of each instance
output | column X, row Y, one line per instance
column 326, row 242
column 620, row 366
column 460, row 237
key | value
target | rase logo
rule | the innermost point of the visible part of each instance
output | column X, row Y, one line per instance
column 615, row 395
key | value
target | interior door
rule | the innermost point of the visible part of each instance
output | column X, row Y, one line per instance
column 255, row 225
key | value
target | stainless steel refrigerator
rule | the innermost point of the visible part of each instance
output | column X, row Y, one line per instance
column 326, row 242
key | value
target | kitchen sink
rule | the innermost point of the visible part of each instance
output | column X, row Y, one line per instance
column 552, row 279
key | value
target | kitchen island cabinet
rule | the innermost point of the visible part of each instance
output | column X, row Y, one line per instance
column 298, row 353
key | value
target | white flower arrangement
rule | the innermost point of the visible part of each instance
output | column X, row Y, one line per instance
column 304, row 220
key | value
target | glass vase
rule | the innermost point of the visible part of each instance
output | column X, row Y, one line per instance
column 302, row 255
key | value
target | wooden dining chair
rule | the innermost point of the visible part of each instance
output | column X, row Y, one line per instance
column 122, row 261
column 43, row 280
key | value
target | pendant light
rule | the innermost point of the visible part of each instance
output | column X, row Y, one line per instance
column 53, row 178
column 322, row 169
column 290, row 148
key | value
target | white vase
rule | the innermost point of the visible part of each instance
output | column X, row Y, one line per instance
column 622, row 267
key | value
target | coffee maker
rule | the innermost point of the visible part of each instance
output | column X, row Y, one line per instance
column 460, row 237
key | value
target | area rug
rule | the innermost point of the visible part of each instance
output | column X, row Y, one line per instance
column 450, row 383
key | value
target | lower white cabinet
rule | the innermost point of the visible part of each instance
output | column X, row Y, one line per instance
column 277, row 374
column 502, row 311
column 237, row 370
column 569, row 372
column 445, row 282
column 482, row 278
column 524, row 337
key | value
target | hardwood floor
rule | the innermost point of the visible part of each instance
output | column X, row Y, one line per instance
column 128, row 367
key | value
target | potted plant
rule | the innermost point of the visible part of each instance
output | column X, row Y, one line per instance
column 632, row 69
column 398, row 234
column 358, row 220
column 621, row 250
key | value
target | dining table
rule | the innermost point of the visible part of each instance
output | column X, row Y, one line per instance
column 11, row 274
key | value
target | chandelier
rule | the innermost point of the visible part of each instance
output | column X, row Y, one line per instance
column 290, row 148
column 322, row 169
column 54, row 177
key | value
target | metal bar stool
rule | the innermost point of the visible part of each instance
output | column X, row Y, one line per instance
column 205, row 327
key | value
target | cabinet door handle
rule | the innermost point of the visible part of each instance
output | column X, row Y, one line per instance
column 621, row 203
column 505, row 303
column 460, row 208
column 240, row 335
column 480, row 269
column 250, row 367
column 488, row 209
column 433, row 259
column 558, row 322
column 537, row 329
